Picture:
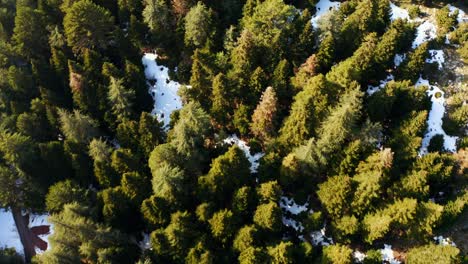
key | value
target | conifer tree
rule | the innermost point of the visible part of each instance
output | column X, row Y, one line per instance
column 264, row 117
column 198, row 25
column 87, row 26
column 120, row 98
column 77, row 126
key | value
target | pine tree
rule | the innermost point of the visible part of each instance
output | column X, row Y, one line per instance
column 268, row 217
column 246, row 237
column 228, row 172
column 337, row 254
column 222, row 225
column 198, row 25
column 87, row 26
column 335, row 194
column 77, row 126
column 264, row 117
column 221, row 107
column 120, row 98
column 29, row 34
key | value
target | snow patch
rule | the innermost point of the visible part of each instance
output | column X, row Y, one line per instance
column 358, row 256
column 462, row 17
column 398, row 12
column 289, row 222
column 436, row 56
column 322, row 8
column 373, row 89
column 145, row 243
column 444, row 241
column 434, row 121
column 425, row 32
column 292, row 207
column 164, row 91
column 387, row 255
column 9, row 236
column 318, row 238
column 399, row 58
column 253, row 159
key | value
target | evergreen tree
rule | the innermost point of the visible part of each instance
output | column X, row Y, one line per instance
column 77, row 126
column 198, row 25
column 88, row 26
column 29, row 34
column 334, row 194
column 221, row 107
column 264, row 117
column 222, row 226
column 268, row 217
column 120, row 99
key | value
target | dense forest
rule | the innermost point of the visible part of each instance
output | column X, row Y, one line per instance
column 301, row 131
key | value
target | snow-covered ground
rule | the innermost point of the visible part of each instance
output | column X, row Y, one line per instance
column 358, row 256
column 462, row 17
column 145, row 243
column 372, row 89
column 320, row 239
column 399, row 58
column 254, row 159
column 444, row 241
column 164, row 91
column 290, row 206
column 436, row 56
column 9, row 236
column 322, row 8
column 398, row 12
column 387, row 255
column 424, row 33
column 434, row 121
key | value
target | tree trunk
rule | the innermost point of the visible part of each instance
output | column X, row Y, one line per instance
column 24, row 233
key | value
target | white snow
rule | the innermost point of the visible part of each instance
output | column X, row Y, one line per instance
column 292, row 223
column 9, row 236
column 425, row 32
column 462, row 17
column 318, row 238
column 398, row 12
column 254, row 159
column 436, row 56
column 322, row 8
column 358, row 256
column 292, row 207
column 164, row 91
column 399, row 58
column 289, row 205
column 444, row 241
column 145, row 243
column 387, row 255
column 434, row 120
column 372, row 89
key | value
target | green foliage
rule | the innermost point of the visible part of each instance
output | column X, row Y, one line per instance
column 246, row 237
column 334, row 194
column 228, row 172
column 337, row 254
column 413, row 64
column 282, row 253
column 222, row 225
column 63, row 193
column 30, row 33
column 268, row 217
column 433, row 254
column 88, row 26
column 120, row 99
column 198, row 25
column 77, row 126
column 78, row 237
column 10, row 256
